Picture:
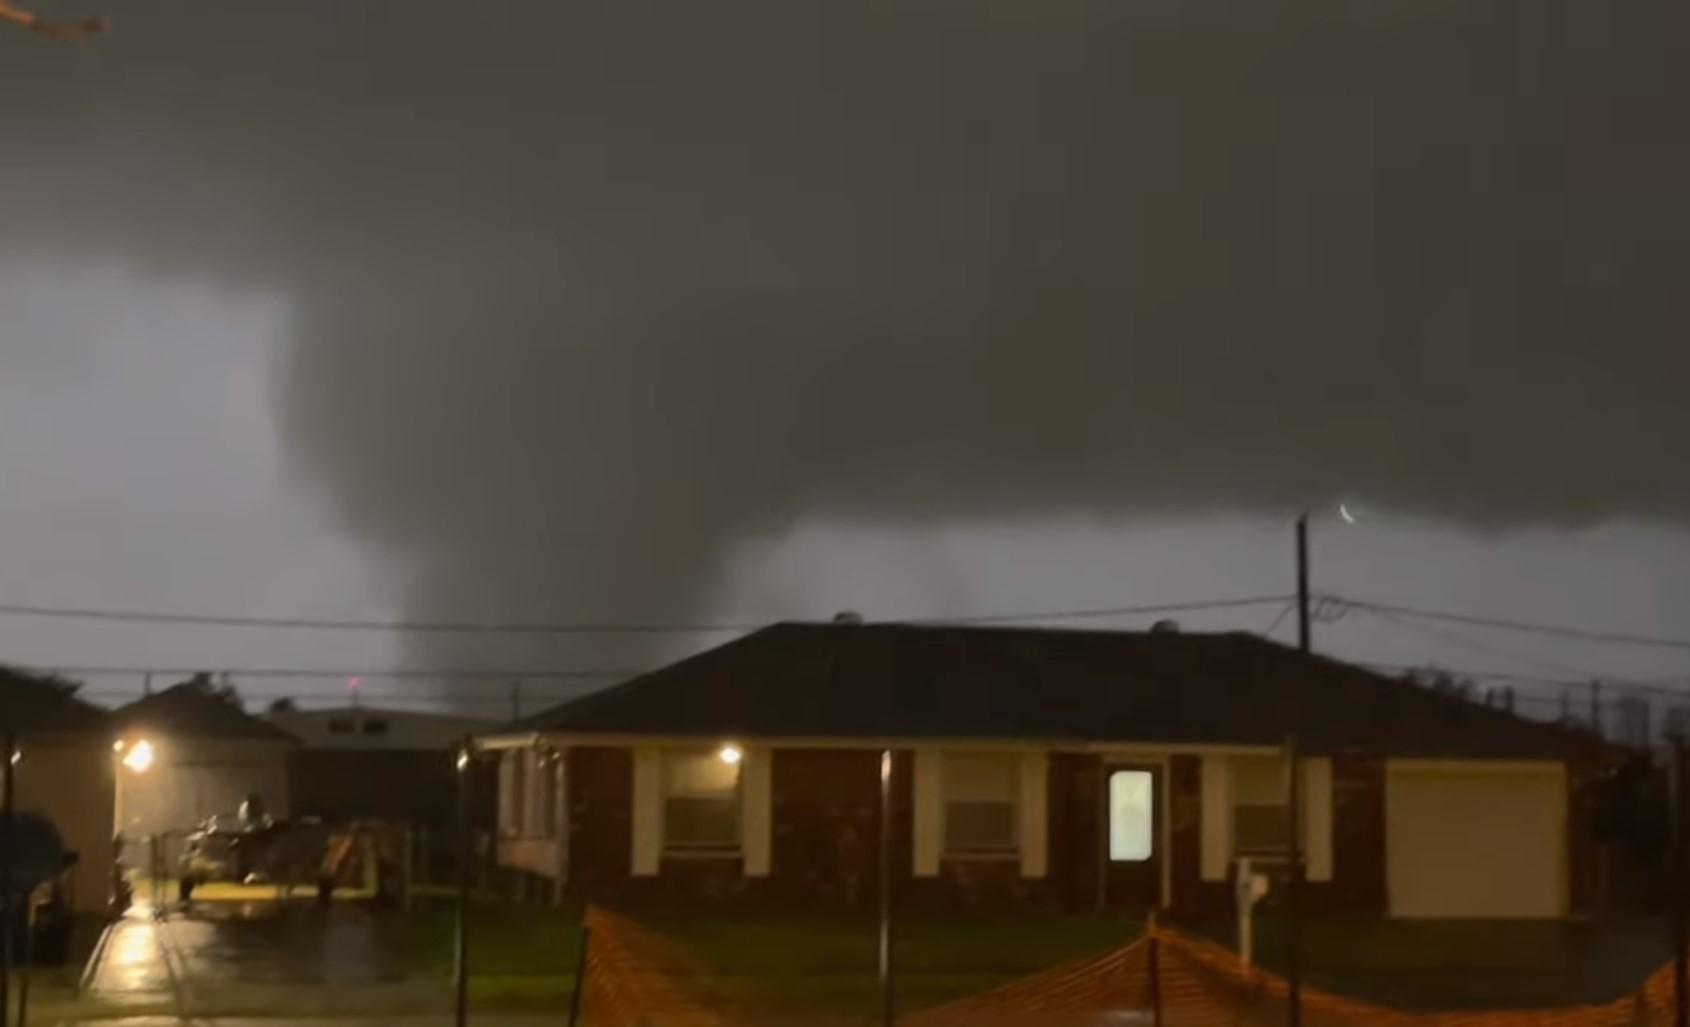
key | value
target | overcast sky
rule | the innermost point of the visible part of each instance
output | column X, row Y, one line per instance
column 656, row 311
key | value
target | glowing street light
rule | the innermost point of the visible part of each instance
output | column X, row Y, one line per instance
column 139, row 757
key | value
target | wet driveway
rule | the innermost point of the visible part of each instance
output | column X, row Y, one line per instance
column 218, row 946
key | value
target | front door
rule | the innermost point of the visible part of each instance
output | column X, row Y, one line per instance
column 1132, row 836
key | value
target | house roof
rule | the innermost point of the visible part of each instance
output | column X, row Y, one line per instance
column 187, row 711
column 30, row 703
column 894, row 681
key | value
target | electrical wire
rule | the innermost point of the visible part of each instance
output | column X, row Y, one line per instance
column 1528, row 627
column 564, row 628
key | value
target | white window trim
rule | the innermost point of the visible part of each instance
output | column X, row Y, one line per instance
column 1003, row 854
column 1216, row 820
column 1032, row 816
column 737, row 849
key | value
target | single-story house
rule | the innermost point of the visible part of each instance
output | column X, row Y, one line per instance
column 205, row 756
column 1075, row 769
column 65, row 773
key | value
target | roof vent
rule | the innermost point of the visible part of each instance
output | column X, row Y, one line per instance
column 1165, row 627
column 847, row 617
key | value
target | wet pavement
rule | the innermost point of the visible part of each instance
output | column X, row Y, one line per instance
column 239, row 944
column 479, row 1020
column 270, row 958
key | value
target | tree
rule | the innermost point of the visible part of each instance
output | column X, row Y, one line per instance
column 219, row 688
column 283, row 705
column 1443, row 682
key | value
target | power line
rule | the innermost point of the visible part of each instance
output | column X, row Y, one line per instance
column 1616, row 684
column 450, row 677
column 1284, row 612
column 1099, row 613
column 353, row 624
column 1528, row 627
column 585, row 628
column 1474, row 644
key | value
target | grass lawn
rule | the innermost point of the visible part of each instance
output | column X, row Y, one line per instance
column 521, row 956
column 828, row 961
column 1469, row 964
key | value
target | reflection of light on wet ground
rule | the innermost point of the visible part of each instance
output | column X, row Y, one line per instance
column 132, row 963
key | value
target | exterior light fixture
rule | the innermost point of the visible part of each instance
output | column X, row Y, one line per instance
column 730, row 754
column 140, row 756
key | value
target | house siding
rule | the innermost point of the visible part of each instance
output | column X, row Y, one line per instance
column 71, row 781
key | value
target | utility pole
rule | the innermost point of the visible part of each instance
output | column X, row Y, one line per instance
column 516, row 700
column 147, row 683
column 1303, row 641
column 1596, row 708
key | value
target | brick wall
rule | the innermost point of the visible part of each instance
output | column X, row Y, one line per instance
column 826, row 824
column 601, row 788
column 1358, row 844
column 825, row 838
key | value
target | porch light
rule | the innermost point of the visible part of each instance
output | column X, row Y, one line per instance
column 139, row 757
column 730, row 754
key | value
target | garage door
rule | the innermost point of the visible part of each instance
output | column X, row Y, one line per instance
column 1476, row 840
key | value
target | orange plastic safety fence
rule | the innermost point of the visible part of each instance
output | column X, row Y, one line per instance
column 634, row 979
column 1200, row 984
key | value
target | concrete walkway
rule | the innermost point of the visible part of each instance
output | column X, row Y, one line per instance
column 477, row 1020
column 254, row 959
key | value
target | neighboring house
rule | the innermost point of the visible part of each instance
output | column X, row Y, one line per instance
column 207, row 756
column 1066, row 768
column 376, row 730
column 397, row 766
column 65, row 773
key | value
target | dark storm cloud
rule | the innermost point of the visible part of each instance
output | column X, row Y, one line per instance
column 581, row 293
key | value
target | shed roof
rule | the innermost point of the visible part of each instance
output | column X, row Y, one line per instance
column 188, row 711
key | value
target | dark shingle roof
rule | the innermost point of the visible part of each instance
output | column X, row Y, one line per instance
column 911, row 682
column 187, row 711
column 32, row 704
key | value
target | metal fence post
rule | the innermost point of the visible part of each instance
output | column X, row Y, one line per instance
column 8, row 771
column 580, row 975
column 1679, row 888
column 1154, row 959
column 1294, row 887
column 888, row 999
column 460, row 962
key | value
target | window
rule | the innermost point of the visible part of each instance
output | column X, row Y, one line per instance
column 341, row 726
column 980, row 793
column 1261, row 814
column 700, row 802
column 375, row 727
column 1132, row 820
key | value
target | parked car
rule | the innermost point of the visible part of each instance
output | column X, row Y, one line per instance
column 40, row 877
